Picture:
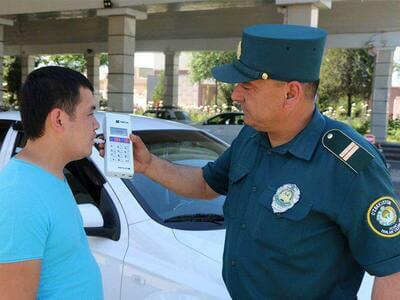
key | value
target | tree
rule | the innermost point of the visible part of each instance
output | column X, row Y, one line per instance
column 346, row 73
column 12, row 77
column 396, row 67
column 200, row 67
column 159, row 90
column 75, row 62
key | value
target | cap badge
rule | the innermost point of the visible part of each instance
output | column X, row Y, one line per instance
column 239, row 50
column 285, row 198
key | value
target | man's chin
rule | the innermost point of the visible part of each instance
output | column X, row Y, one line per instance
column 84, row 155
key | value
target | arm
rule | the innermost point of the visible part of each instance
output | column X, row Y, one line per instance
column 19, row 280
column 186, row 181
column 387, row 287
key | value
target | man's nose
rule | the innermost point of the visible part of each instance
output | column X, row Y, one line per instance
column 96, row 124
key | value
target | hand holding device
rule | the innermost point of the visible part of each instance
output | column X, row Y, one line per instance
column 118, row 159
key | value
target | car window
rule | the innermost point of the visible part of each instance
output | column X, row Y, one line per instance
column 191, row 148
column 4, row 127
column 217, row 120
column 239, row 120
column 182, row 115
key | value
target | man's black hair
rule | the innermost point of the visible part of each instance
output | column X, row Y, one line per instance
column 45, row 89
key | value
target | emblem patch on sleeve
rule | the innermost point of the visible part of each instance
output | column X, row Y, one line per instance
column 384, row 217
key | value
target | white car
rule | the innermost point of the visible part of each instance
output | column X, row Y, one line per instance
column 225, row 126
column 149, row 242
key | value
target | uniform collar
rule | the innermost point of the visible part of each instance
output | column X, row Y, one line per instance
column 302, row 145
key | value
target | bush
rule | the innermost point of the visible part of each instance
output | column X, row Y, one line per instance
column 359, row 119
column 394, row 130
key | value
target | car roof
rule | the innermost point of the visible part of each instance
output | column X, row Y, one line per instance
column 139, row 123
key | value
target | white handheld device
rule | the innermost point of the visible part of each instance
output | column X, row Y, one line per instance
column 118, row 159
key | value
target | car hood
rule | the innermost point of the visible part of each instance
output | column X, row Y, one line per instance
column 207, row 242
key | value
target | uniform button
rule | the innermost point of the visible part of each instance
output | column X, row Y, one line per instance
column 243, row 226
column 233, row 263
column 269, row 152
column 253, row 188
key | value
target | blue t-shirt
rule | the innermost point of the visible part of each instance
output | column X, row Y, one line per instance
column 39, row 219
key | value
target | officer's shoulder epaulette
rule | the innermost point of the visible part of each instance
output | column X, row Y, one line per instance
column 347, row 150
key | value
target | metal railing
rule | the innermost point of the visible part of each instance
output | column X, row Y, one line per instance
column 391, row 151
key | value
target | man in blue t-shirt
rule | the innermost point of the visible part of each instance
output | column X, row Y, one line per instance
column 44, row 252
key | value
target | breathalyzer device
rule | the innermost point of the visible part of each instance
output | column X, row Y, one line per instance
column 118, row 158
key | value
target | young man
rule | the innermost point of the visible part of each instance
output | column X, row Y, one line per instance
column 310, row 205
column 44, row 252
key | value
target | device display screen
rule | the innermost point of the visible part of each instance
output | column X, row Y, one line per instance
column 118, row 131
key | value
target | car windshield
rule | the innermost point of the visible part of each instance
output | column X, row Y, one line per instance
column 185, row 147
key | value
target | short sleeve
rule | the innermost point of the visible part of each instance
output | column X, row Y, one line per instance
column 216, row 173
column 24, row 226
column 370, row 219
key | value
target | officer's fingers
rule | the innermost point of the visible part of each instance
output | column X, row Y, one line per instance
column 136, row 141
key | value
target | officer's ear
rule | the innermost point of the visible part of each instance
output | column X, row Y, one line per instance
column 294, row 92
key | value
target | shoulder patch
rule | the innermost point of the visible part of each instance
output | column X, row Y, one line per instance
column 383, row 217
column 347, row 150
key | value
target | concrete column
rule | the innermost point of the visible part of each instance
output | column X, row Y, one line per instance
column 171, row 78
column 27, row 66
column 121, row 50
column 380, row 92
column 302, row 12
column 92, row 69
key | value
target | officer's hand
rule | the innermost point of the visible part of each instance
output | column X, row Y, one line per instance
column 141, row 155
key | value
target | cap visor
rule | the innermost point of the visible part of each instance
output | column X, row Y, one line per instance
column 229, row 74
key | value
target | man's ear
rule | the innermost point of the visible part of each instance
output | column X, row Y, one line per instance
column 294, row 93
column 56, row 119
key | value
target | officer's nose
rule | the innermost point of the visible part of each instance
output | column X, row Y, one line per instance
column 238, row 93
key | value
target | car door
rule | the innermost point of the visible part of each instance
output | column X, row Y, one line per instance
column 109, row 242
column 7, row 137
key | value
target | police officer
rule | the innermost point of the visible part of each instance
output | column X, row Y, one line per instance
column 310, row 205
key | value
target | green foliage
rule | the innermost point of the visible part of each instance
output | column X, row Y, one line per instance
column 394, row 130
column 159, row 91
column 75, row 62
column 201, row 63
column 104, row 59
column 12, row 78
column 200, row 67
column 345, row 73
column 359, row 117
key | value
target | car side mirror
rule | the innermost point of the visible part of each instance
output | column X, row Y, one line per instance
column 91, row 216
